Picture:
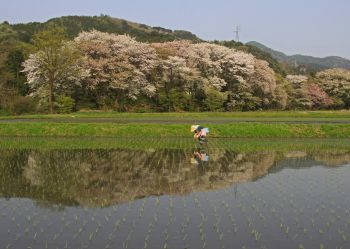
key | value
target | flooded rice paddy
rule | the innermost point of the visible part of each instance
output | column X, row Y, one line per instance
column 203, row 197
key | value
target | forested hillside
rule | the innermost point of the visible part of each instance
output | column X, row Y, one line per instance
column 76, row 24
column 302, row 63
column 16, row 43
column 73, row 63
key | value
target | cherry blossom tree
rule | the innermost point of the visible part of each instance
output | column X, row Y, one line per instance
column 54, row 68
column 225, row 70
column 118, row 69
column 118, row 64
column 298, row 96
column 318, row 96
column 336, row 83
column 304, row 93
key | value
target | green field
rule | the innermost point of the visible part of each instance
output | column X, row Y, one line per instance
column 156, row 143
column 237, row 130
column 321, row 124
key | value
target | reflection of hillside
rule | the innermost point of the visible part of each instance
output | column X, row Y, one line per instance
column 333, row 158
column 105, row 177
column 297, row 160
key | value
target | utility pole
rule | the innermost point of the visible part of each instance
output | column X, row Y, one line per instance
column 238, row 29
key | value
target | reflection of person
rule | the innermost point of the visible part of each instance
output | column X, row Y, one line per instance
column 200, row 132
column 199, row 156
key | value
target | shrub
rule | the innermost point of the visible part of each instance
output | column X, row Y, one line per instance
column 214, row 100
column 20, row 105
column 65, row 104
column 4, row 112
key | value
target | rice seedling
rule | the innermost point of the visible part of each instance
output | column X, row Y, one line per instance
column 287, row 230
column 343, row 235
column 125, row 245
column 55, row 236
column 256, row 235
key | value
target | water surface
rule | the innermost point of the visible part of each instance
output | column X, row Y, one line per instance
column 174, row 198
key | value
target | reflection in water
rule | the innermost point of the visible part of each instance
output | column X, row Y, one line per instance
column 107, row 177
column 160, row 199
column 199, row 156
column 101, row 178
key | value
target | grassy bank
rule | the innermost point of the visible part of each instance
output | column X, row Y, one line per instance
column 139, row 143
column 237, row 130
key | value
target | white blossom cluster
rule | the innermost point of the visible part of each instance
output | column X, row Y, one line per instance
column 120, row 64
column 221, row 67
column 297, row 80
column 335, row 82
column 61, row 69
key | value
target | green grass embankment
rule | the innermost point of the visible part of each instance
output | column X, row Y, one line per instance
column 140, row 143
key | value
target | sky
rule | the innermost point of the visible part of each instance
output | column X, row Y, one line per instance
column 311, row 27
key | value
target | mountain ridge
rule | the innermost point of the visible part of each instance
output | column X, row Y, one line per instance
column 304, row 63
column 75, row 24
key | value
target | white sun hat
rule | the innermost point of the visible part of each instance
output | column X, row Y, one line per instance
column 194, row 127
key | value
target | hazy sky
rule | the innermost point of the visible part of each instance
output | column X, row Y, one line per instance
column 312, row 27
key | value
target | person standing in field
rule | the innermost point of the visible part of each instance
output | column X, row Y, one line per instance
column 200, row 132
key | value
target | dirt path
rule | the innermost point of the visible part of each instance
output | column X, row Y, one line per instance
column 178, row 120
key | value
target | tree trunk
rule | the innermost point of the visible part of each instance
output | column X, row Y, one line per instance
column 117, row 103
column 171, row 78
column 51, row 98
column 17, row 77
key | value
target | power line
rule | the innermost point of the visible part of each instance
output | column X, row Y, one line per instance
column 238, row 29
